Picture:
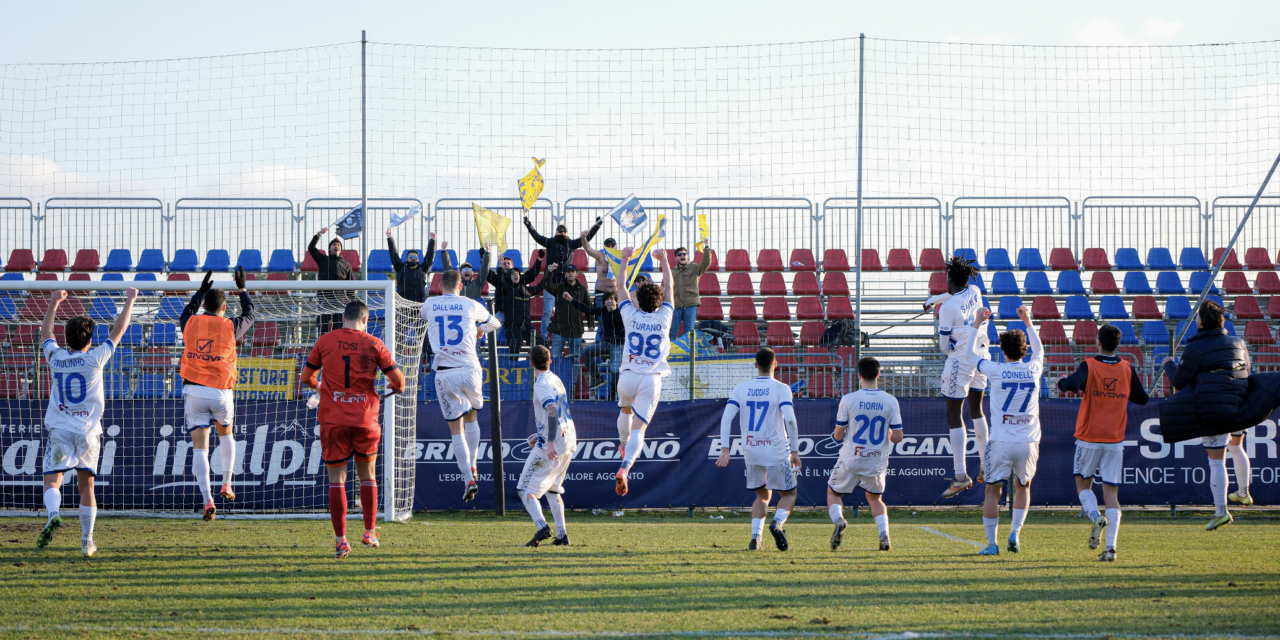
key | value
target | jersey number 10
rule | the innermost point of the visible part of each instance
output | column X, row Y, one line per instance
column 64, row 387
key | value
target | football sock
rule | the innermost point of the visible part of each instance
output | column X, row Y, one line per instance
column 227, row 449
column 780, row 517
column 338, row 508
column 369, row 502
column 624, row 426
column 87, row 517
column 757, row 527
column 200, row 468
column 635, row 443
column 472, row 431
column 534, row 507
column 557, row 513
column 1113, row 527
column 836, row 512
column 980, row 434
column 1019, row 519
column 958, row 439
column 1218, row 485
column 991, row 525
column 882, row 524
column 462, row 456
column 1240, row 465
column 1089, row 501
column 52, row 501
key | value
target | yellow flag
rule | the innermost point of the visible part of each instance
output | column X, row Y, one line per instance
column 704, row 230
column 531, row 185
column 491, row 227
column 637, row 259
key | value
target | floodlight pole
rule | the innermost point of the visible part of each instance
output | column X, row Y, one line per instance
column 364, row 164
column 857, row 276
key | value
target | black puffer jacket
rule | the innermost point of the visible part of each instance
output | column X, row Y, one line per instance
column 1212, row 384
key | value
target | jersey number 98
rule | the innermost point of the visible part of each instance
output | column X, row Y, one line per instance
column 648, row 346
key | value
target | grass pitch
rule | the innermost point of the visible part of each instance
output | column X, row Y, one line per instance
column 640, row 575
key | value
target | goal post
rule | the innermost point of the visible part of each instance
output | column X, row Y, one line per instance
column 146, row 460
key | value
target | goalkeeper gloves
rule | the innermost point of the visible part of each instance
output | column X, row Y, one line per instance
column 208, row 282
column 240, row 278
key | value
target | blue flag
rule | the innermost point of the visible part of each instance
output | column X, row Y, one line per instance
column 351, row 225
column 398, row 219
column 629, row 214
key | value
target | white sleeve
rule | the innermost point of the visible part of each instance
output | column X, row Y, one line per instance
column 102, row 353
column 726, row 421
column 50, row 347
column 946, row 324
column 487, row 322
column 789, row 419
column 983, row 357
column 842, row 414
column 895, row 414
column 938, row 299
column 1033, row 341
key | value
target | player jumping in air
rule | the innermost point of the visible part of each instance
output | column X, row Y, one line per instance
column 960, row 378
column 553, row 444
column 864, row 450
column 770, row 446
column 73, row 421
column 1015, row 426
column 646, row 318
column 208, row 373
column 350, row 360
column 1109, row 385
column 451, row 327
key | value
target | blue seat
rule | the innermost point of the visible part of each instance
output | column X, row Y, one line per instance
column 1158, row 354
column 218, row 260
column 1177, row 307
column 1127, row 336
column 516, row 259
column 100, row 333
column 184, row 260
column 1198, row 281
column 13, row 276
column 1004, row 284
column 437, row 263
column 1231, row 328
column 103, row 308
column 992, row 334
column 115, row 386
column 1159, row 259
column 377, row 276
column 8, row 309
column 119, row 260
column 1136, row 284
column 145, row 277
column 1182, row 325
column 132, row 336
column 1191, row 259
column 380, row 261
column 1169, row 283
column 282, row 262
column 1112, row 307
column 375, row 329
column 1078, row 308
column 164, row 335
column 1127, row 259
column 1030, row 260
column 122, row 358
column 153, row 260
column 171, row 308
column 111, row 277
column 1217, row 299
column 1009, row 307
column 998, row 260
column 1069, row 283
column 997, row 356
column 971, row 255
column 177, row 387
column 250, row 259
column 975, row 280
column 150, row 387
column 473, row 258
column 1155, row 331
column 1037, row 284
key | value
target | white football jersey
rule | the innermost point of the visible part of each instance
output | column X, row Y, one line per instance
column 868, row 416
column 549, row 390
column 760, row 403
column 956, row 318
column 648, row 341
column 451, row 327
column 1014, row 388
column 76, row 400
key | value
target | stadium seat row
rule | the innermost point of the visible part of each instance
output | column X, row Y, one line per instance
column 1103, row 282
column 1126, row 259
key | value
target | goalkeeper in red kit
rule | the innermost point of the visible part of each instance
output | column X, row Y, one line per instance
column 350, row 359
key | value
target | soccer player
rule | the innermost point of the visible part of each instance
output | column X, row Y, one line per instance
column 1109, row 385
column 1240, row 466
column 1014, row 447
column 961, row 379
column 73, row 420
column 554, row 441
column 770, row 446
column 350, row 360
column 646, row 316
column 208, row 372
column 864, row 450
column 452, row 321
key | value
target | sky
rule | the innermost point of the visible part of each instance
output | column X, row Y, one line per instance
column 121, row 31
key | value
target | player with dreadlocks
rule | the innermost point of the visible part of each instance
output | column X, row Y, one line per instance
column 960, row 377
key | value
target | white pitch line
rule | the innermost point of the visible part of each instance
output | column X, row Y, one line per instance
column 951, row 537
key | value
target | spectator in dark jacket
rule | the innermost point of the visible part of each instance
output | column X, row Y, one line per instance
column 473, row 284
column 559, row 251
column 566, row 321
column 411, row 276
column 511, row 293
column 330, row 266
column 612, row 337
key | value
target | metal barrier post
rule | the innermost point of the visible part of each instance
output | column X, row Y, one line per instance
column 495, row 422
column 857, row 302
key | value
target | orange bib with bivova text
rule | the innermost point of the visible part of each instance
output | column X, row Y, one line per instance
column 1104, row 411
column 209, row 354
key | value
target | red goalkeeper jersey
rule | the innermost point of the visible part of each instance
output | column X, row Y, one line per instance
column 349, row 361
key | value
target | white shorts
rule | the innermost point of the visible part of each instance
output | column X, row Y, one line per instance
column 459, row 391
column 541, row 475
column 1018, row 458
column 1102, row 460
column 960, row 375
column 201, row 412
column 639, row 391
column 777, row 477
column 1219, row 441
column 67, row 450
column 845, row 480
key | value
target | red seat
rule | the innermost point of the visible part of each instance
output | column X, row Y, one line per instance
column 769, row 260
column 182, row 277
column 535, row 303
column 1045, row 308
column 353, row 257
column 710, row 309
column 1085, row 333
column 937, row 283
column 809, row 308
column 1232, row 263
column 821, row 385
column 802, row 260
column 76, row 277
column 709, row 285
column 746, row 334
column 847, row 355
column 1058, row 354
column 839, row 308
column 86, row 260
column 833, row 284
column 806, row 283
column 900, row 260
column 1144, row 308
column 740, row 285
column 738, row 260
column 266, row 334
column 1247, row 308
column 811, row 332
column 309, row 265
column 775, row 308
column 932, row 260
column 1273, row 308
column 1096, row 259
column 835, row 260
column 21, row 260
column 772, row 284
column 715, row 260
column 871, row 260
column 1267, row 355
column 1257, row 332
column 1103, row 283
column 54, row 260
column 10, row 386
column 1133, row 351
column 1061, row 259
column 1268, row 283
column 579, row 261
column 270, row 277
column 742, row 309
column 1052, row 332
column 1258, row 258
column 27, row 334
column 779, row 334
column 46, row 277
column 1236, row 283
column 38, row 304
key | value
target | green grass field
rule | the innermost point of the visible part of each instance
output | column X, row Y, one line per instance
column 640, row 575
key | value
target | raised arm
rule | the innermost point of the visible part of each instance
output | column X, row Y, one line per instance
column 444, row 255
column 1033, row 336
column 668, row 283
column 243, row 323
column 197, row 298
column 586, row 308
column 624, row 291
column 706, row 259
column 396, row 262
column 122, row 320
column 486, row 255
column 983, row 314
column 316, row 253
column 50, row 315
column 586, row 246
column 425, row 260
column 538, row 238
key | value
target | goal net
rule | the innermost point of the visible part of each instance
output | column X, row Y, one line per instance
column 146, row 457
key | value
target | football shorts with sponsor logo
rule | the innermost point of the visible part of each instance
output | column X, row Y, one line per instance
column 775, row 477
column 640, row 391
column 67, row 450
column 459, row 391
column 339, row 443
column 1219, row 441
column 542, row 475
column 1102, row 460
column 202, row 411
column 846, row 478
column 960, row 375
column 1017, row 458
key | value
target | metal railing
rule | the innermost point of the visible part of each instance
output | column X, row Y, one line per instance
column 991, row 223
column 453, row 220
column 232, row 224
column 754, row 224
column 1142, row 223
column 72, row 224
